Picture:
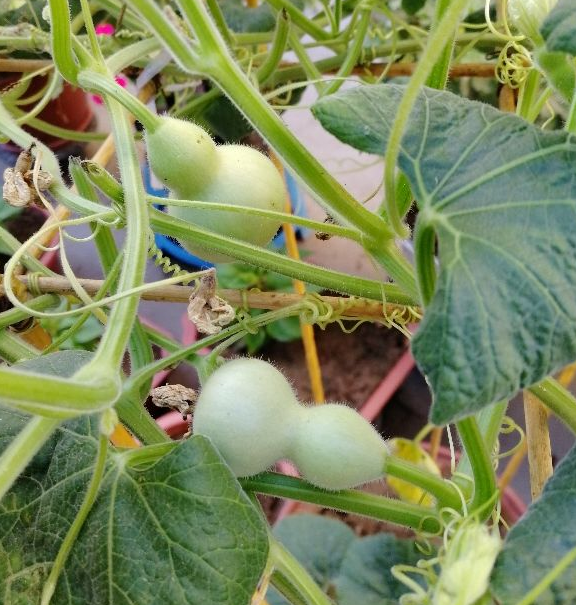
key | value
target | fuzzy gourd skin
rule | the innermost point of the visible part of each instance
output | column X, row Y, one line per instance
column 247, row 408
column 181, row 151
column 336, row 448
column 249, row 411
column 244, row 177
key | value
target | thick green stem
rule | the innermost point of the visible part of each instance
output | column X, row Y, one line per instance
column 285, row 588
column 108, row 357
column 528, row 93
column 12, row 316
column 131, row 54
column 102, row 84
column 555, row 397
column 354, row 52
column 12, row 131
column 489, row 422
column 434, row 49
column 389, row 256
column 152, row 14
column 326, row 278
column 351, row 501
column 276, row 50
column 61, row 38
column 102, row 179
column 23, row 448
column 570, row 125
column 54, row 397
column 312, row 74
column 292, row 571
column 208, row 207
column 110, row 259
column 133, row 414
column 14, row 349
column 72, row 534
column 439, row 74
column 300, row 20
column 481, row 463
column 445, row 493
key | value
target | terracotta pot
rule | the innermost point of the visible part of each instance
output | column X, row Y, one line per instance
column 71, row 110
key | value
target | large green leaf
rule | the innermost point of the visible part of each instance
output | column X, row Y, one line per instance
column 179, row 531
column 366, row 577
column 60, row 363
column 537, row 543
column 559, row 28
column 349, row 569
column 500, row 195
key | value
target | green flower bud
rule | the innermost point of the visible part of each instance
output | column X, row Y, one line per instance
column 527, row 16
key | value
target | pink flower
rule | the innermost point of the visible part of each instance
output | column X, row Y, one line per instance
column 105, row 29
column 120, row 79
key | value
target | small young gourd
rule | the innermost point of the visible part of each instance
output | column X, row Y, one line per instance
column 244, row 177
column 184, row 157
column 178, row 152
column 336, row 448
column 249, row 411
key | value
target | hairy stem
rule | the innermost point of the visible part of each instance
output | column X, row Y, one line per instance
column 23, row 448
column 433, row 51
column 558, row 399
column 351, row 501
column 292, row 571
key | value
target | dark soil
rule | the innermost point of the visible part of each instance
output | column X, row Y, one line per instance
column 352, row 364
column 23, row 226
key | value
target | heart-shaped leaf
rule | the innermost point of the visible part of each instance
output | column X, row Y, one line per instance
column 178, row 531
column 500, row 195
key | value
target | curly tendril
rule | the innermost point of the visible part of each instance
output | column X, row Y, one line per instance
column 164, row 262
column 514, row 64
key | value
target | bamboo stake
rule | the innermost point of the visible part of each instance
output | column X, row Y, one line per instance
column 565, row 378
column 461, row 70
column 21, row 66
column 347, row 306
column 538, row 443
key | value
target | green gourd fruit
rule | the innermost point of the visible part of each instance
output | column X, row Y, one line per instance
column 181, row 151
column 247, row 408
column 184, row 157
column 250, row 412
column 334, row 447
column 244, row 177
